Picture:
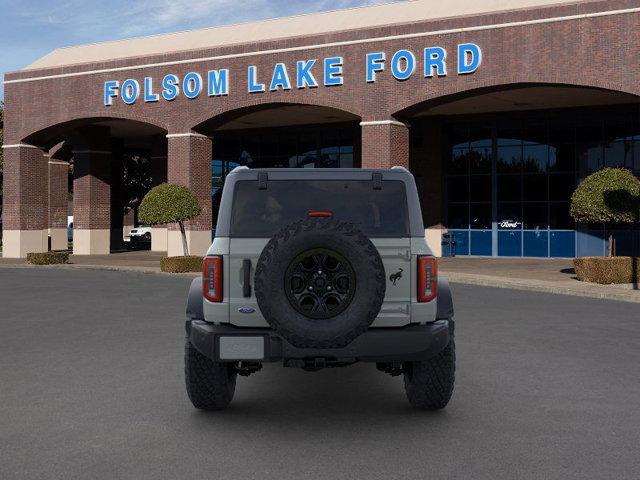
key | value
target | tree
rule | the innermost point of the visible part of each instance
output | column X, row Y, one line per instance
column 170, row 203
column 136, row 181
column 611, row 195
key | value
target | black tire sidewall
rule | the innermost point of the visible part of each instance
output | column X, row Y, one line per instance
column 346, row 240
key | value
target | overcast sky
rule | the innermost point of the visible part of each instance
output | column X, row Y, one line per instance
column 30, row 29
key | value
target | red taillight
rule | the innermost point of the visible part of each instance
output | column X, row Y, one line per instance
column 212, row 279
column 427, row 279
column 319, row 213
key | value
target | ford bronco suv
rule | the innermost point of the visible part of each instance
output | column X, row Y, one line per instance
column 319, row 268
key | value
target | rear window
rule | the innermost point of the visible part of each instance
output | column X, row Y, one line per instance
column 261, row 213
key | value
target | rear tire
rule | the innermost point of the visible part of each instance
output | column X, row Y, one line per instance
column 210, row 385
column 429, row 385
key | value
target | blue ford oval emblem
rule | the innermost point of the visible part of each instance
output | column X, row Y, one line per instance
column 247, row 310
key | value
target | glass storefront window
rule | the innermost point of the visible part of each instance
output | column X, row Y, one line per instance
column 458, row 189
column 535, row 158
column 509, row 216
column 535, row 216
column 509, row 188
column 481, row 188
column 480, row 218
column 510, row 159
column 619, row 154
column 458, row 215
column 562, row 157
column 535, row 188
column 480, row 159
column 459, row 161
column 559, row 218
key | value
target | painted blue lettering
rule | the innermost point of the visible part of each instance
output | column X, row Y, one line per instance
column 149, row 96
column 434, row 59
column 403, row 64
column 218, row 82
column 375, row 63
column 469, row 58
column 110, row 92
column 130, row 91
column 333, row 71
column 280, row 78
column 304, row 76
column 254, row 87
column 192, row 85
column 170, row 87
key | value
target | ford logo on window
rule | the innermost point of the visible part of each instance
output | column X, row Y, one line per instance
column 509, row 224
column 247, row 310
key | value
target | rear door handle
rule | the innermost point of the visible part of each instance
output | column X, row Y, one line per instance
column 246, row 278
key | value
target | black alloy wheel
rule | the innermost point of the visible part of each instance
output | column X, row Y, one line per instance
column 320, row 283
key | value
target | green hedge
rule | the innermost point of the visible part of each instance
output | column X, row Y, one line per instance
column 191, row 263
column 48, row 258
column 611, row 195
column 607, row 270
column 168, row 203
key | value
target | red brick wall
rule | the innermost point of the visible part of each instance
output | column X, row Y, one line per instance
column 385, row 145
column 26, row 184
column 189, row 164
column 599, row 52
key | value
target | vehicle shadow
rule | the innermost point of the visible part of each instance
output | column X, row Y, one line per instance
column 345, row 398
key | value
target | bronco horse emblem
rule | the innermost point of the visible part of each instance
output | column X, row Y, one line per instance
column 396, row 276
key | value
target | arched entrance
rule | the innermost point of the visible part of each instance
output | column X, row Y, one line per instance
column 497, row 167
column 112, row 163
column 280, row 135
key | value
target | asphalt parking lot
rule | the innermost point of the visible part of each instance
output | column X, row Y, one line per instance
column 91, row 387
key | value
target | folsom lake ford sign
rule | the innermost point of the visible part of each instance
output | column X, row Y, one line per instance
column 309, row 73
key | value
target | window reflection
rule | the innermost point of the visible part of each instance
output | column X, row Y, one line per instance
column 529, row 165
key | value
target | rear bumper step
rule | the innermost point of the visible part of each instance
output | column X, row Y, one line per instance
column 226, row 343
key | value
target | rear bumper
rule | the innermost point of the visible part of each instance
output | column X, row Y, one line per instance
column 411, row 343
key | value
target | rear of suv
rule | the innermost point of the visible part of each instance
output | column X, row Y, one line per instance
column 314, row 269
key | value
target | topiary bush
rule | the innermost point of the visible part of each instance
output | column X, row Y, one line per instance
column 185, row 264
column 48, row 258
column 611, row 195
column 607, row 270
column 170, row 203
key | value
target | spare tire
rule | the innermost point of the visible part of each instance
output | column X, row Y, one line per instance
column 320, row 283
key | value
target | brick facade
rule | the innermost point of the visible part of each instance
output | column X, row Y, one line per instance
column 589, row 43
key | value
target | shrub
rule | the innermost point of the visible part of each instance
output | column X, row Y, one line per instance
column 48, row 258
column 186, row 264
column 169, row 203
column 607, row 270
column 611, row 195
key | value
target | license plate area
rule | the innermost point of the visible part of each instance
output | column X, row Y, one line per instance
column 241, row 347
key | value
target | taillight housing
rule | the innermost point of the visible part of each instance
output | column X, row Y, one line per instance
column 212, row 279
column 427, row 279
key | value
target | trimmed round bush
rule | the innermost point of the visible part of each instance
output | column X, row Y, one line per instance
column 48, row 258
column 168, row 203
column 192, row 263
column 611, row 195
column 607, row 270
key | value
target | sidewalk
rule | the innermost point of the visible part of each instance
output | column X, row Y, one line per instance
column 538, row 275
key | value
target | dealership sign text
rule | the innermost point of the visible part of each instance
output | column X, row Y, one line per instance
column 309, row 73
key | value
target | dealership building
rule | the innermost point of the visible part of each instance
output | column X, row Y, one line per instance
column 498, row 108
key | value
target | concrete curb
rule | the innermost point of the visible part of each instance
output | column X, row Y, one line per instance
column 112, row 268
column 573, row 287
